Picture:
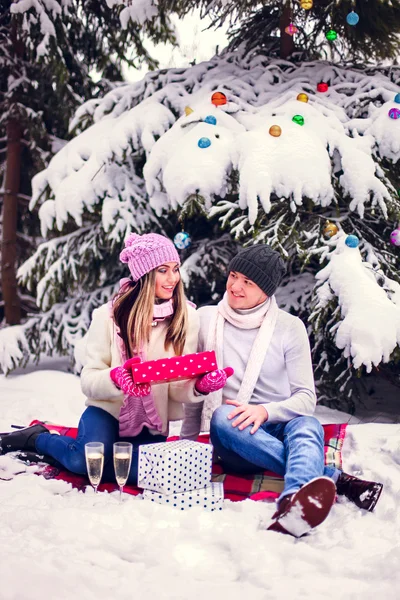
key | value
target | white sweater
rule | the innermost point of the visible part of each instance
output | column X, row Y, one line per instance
column 286, row 382
column 102, row 354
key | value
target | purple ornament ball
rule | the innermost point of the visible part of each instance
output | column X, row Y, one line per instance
column 394, row 113
column 395, row 237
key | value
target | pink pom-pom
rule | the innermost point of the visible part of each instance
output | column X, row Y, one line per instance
column 126, row 252
column 131, row 239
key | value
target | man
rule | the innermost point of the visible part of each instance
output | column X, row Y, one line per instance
column 262, row 418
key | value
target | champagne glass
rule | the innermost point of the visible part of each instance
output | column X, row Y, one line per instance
column 122, row 463
column 94, row 453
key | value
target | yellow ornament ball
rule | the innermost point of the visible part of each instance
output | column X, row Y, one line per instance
column 188, row 110
column 330, row 229
column 302, row 97
column 306, row 4
column 275, row 131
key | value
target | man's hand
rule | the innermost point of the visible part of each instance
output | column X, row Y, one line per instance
column 249, row 414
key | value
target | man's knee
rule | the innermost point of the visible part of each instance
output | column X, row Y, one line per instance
column 219, row 419
column 309, row 424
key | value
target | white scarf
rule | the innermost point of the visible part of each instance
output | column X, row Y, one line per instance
column 264, row 318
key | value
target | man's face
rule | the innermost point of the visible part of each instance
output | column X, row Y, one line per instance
column 242, row 292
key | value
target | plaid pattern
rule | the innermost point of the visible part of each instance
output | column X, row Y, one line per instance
column 261, row 486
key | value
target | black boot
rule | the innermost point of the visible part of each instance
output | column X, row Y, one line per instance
column 22, row 439
column 364, row 494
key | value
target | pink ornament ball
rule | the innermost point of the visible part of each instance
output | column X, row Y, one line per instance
column 394, row 113
column 395, row 237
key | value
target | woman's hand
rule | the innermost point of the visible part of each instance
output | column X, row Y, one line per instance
column 211, row 382
column 249, row 414
column 122, row 378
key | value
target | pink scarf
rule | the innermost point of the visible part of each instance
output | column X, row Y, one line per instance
column 137, row 413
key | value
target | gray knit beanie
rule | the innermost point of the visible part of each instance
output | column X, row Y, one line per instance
column 261, row 264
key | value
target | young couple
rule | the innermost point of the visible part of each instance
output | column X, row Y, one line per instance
column 259, row 412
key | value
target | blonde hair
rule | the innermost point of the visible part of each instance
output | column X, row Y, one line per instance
column 133, row 314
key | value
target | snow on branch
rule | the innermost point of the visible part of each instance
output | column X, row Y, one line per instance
column 138, row 11
column 148, row 119
column 370, row 327
column 56, row 331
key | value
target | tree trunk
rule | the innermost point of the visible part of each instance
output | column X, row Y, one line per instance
column 287, row 43
column 11, row 299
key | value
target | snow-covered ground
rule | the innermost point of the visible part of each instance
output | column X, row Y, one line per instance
column 58, row 543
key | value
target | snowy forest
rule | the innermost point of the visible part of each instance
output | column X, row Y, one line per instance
column 288, row 136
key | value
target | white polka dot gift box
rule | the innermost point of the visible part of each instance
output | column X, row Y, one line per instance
column 176, row 367
column 174, row 467
column 209, row 498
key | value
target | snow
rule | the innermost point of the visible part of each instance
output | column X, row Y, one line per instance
column 148, row 116
column 61, row 543
column 362, row 301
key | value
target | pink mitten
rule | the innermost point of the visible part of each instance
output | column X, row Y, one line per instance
column 122, row 378
column 211, row 382
column 128, row 364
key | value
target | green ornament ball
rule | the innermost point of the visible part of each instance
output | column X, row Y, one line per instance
column 298, row 119
column 331, row 35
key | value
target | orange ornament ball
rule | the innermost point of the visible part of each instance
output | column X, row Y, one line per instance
column 275, row 131
column 218, row 99
column 302, row 97
column 291, row 29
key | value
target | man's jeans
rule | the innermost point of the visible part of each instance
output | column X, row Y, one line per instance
column 95, row 425
column 294, row 450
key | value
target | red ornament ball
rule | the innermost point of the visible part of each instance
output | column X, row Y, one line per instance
column 322, row 87
column 218, row 99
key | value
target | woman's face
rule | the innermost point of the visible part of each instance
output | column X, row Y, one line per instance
column 167, row 278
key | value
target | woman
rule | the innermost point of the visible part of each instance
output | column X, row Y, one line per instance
column 148, row 319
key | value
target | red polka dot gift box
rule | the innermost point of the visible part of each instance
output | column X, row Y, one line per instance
column 176, row 367
column 174, row 467
column 209, row 498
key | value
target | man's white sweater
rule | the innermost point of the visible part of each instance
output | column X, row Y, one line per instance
column 286, row 383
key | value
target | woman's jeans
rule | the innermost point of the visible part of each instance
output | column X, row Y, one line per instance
column 95, row 425
column 294, row 450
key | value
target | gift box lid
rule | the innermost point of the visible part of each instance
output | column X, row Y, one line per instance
column 173, row 368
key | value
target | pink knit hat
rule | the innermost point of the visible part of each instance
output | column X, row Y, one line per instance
column 143, row 253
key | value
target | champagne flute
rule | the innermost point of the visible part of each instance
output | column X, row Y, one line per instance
column 122, row 463
column 94, row 453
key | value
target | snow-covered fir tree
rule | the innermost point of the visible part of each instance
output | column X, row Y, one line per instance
column 286, row 161
column 49, row 51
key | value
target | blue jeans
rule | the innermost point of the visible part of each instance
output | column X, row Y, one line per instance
column 95, row 425
column 294, row 450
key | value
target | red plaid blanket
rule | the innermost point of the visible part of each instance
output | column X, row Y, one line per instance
column 262, row 486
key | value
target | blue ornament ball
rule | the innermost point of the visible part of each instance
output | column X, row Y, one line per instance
column 204, row 142
column 397, row 98
column 182, row 240
column 352, row 18
column 210, row 119
column 352, row 241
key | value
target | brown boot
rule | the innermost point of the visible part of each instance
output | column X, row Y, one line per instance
column 308, row 507
column 364, row 494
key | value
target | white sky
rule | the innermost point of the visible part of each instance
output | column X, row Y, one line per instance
column 195, row 43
